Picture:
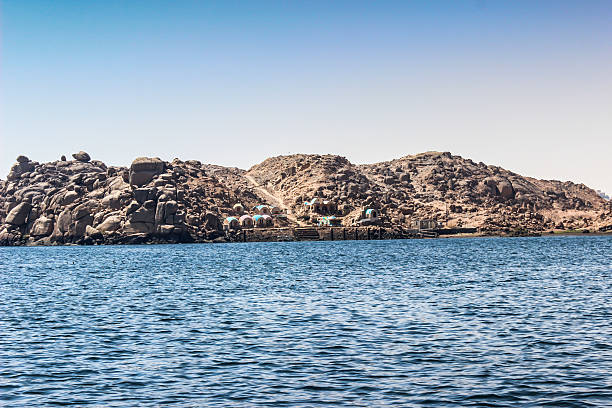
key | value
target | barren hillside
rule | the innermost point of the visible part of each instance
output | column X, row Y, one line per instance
column 85, row 201
column 438, row 186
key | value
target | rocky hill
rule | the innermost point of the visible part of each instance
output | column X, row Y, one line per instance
column 84, row 201
column 437, row 186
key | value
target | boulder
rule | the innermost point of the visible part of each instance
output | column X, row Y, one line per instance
column 116, row 183
column 77, row 229
column 143, row 194
column 405, row 209
column 404, row 178
column 99, row 164
column 8, row 238
column 506, row 191
column 138, row 228
column 131, row 207
column 81, row 211
column 111, row 224
column 212, row 222
column 43, row 226
column 19, row 214
column 192, row 219
column 63, row 222
column 341, row 176
column 488, row 186
column 143, row 214
column 490, row 182
column 112, row 201
column 81, row 156
column 22, row 159
column 20, row 169
column 70, row 197
column 92, row 232
column 144, row 169
column 165, row 212
column 166, row 229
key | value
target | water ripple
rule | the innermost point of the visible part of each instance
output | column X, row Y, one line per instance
column 457, row 322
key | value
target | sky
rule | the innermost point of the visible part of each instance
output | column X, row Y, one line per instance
column 526, row 85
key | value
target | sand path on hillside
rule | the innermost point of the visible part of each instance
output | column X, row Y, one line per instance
column 272, row 198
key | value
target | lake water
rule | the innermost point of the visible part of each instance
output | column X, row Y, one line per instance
column 448, row 322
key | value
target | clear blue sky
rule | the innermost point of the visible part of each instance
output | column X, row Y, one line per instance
column 522, row 84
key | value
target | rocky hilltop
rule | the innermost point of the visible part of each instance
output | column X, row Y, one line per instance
column 84, row 201
column 438, row 186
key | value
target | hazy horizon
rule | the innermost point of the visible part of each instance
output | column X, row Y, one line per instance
column 524, row 86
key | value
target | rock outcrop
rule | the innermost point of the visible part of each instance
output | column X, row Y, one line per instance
column 436, row 186
column 19, row 215
column 83, row 201
column 145, row 169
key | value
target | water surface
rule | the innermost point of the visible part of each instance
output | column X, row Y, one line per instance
column 449, row 322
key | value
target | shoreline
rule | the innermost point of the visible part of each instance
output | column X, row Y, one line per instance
column 284, row 198
column 287, row 234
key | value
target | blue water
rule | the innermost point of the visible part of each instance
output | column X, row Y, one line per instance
column 449, row 322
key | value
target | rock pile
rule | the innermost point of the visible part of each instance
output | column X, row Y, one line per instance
column 85, row 202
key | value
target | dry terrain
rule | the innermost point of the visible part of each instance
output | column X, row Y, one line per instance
column 84, row 201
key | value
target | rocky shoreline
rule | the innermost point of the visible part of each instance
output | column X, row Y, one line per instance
column 85, row 202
